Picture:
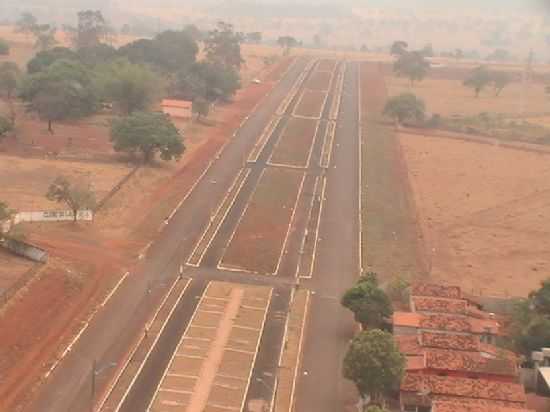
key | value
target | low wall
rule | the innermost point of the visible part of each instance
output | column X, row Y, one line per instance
column 53, row 216
column 25, row 250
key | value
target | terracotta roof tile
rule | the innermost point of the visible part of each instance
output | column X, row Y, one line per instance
column 448, row 386
column 449, row 341
column 443, row 322
column 408, row 345
column 436, row 291
column 473, row 405
column 409, row 319
column 475, row 362
column 440, row 305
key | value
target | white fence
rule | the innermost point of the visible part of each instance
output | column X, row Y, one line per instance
column 47, row 216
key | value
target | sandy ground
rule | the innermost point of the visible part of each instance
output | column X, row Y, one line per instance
column 11, row 268
column 450, row 97
column 484, row 212
column 25, row 182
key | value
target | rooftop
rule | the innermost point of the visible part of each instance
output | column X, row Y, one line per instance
column 460, row 361
column 511, row 394
column 440, row 305
column 472, row 405
column 436, row 291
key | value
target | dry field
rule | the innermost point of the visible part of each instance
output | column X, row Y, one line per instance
column 294, row 145
column 450, row 97
column 25, row 182
column 484, row 212
column 311, row 104
column 11, row 268
column 258, row 240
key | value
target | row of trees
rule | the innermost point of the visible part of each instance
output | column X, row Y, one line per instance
column 481, row 77
column 63, row 83
column 373, row 361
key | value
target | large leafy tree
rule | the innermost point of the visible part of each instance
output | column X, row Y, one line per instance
column 44, row 37
column 77, row 195
column 399, row 48
column 500, row 80
column 96, row 55
column 479, row 78
column 46, row 58
column 369, row 303
column 63, row 91
column 405, row 107
column 4, row 47
column 26, row 23
column 373, row 362
column 131, row 86
column 149, row 134
column 9, row 77
column 170, row 51
column 210, row 81
column 412, row 65
column 91, row 30
column 223, row 46
column 287, row 43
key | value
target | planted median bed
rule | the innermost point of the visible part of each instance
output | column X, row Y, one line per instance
column 257, row 243
column 294, row 146
column 319, row 81
column 311, row 104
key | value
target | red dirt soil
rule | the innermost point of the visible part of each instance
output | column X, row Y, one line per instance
column 34, row 327
column 311, row 104
column 295, row 143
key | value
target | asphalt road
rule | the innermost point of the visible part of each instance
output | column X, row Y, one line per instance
column 330, row 327
column 120, row 322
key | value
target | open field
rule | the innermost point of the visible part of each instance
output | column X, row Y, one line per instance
column 319, row 81
column 311, row 104
column 25, row 182
column 483, row 220
column 450, row 97
column 213, row 362
column 294, row 145
column 11, row 268
column 258, row 240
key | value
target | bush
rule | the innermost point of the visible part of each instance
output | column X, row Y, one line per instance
column 4, row 48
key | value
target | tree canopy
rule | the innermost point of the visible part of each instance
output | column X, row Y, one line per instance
column 373, row 362
column 368, row 302
column 412, row 65
column 77, row 195
column 209, row 81
column 405, row 107
column 42, row 60
column 4, row 47
column 500, row 80
column 5, row 127
column 63, row 91
column 91, row 29
column 148, row 133
column 287, row 43
column 223, row 46
column 399, row 47
column 9, row 77
column 530, row 326
column 130, row 86
column 479, row 78
column 26, row 23
column 170, row 51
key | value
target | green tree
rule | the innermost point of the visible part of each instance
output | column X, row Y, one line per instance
column 170, row 51
column 499, row 55
column 399, row 48
column 541, row 298
column 209, row 81
column 5, row 211
column 46, row 58
column 147, row 133
column 254, row 37
column 405, row 107
column 201, row 107
column 500, row 80
column 76, row 195
column 9, row 77
column 373, row 362
column 44, row 37
column 91, row 30
column 4, row 47
column 131, row 87
column 287, row 43
column 412, row 65
column 428, row 51
column 5, row 127
column 63, row 91
column 478, row 79
column 223, row 46
column 26, row 23
column 369, row 303
column 96, row 55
